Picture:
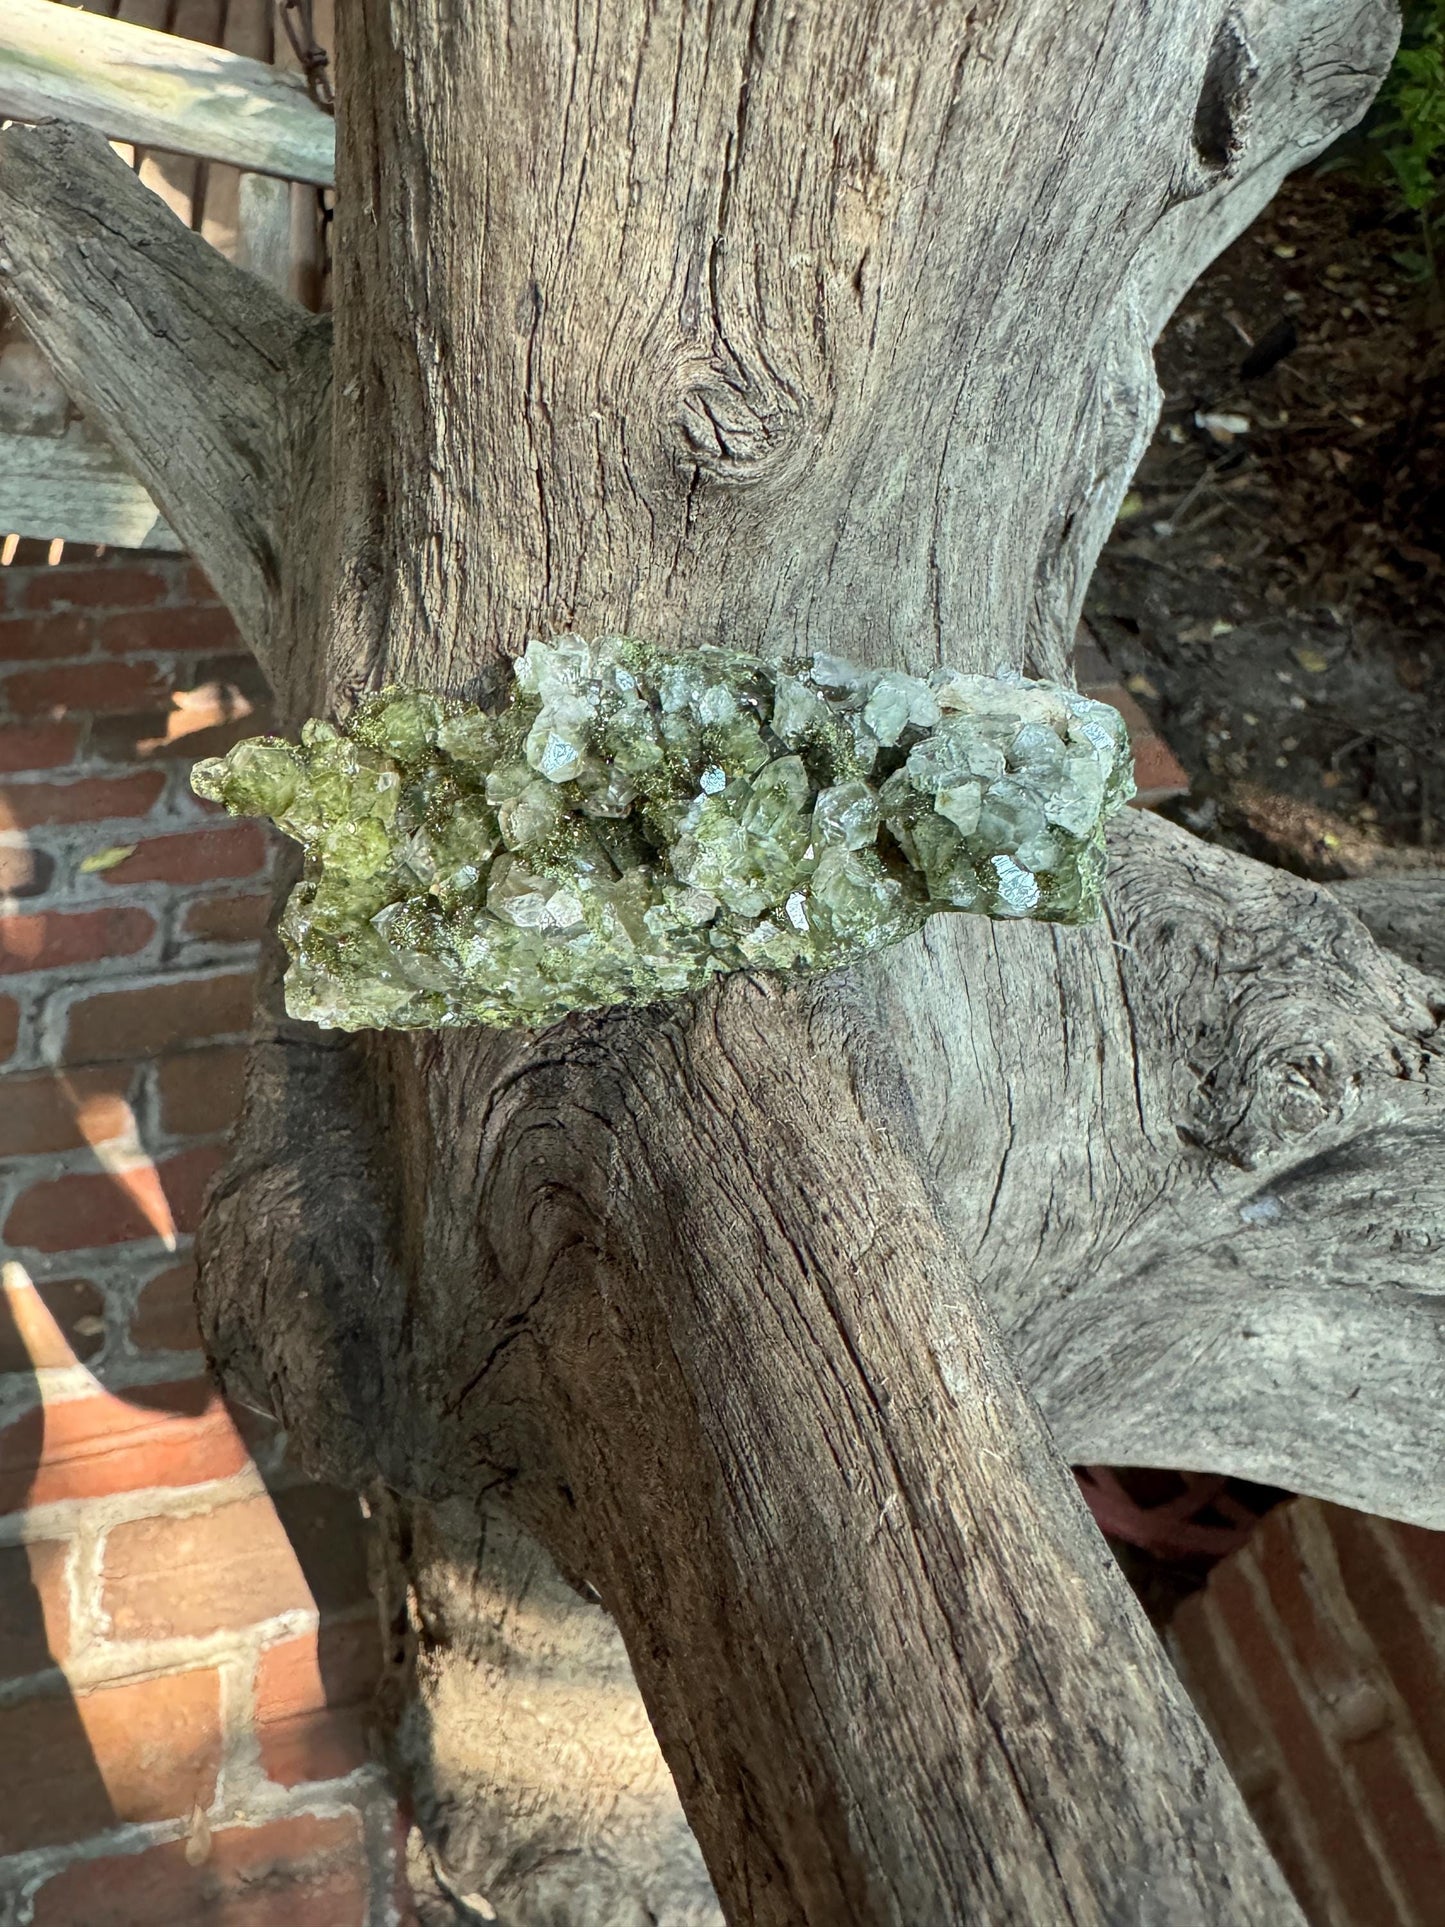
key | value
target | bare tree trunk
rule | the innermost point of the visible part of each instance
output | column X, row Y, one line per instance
column 829, row 329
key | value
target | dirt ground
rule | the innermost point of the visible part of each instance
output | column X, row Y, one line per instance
column 1274, row 593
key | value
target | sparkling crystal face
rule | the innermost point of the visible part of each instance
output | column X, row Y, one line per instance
column 634, row 822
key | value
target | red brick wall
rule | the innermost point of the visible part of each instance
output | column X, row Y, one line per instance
column 1317, row 1656
column 186, row 1641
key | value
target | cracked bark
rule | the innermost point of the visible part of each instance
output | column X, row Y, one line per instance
column 774, row 325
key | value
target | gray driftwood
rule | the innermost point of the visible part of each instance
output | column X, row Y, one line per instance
column 1405, row 913
column 159, row 90
column 828, row 326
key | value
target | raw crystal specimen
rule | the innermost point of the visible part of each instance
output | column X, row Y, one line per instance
column 634, row 822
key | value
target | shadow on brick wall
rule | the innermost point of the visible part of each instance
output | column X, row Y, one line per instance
column 34, row 1633
column 126, row 1535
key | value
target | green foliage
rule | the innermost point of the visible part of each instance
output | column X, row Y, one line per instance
column 1401, row 147
column 634, row 822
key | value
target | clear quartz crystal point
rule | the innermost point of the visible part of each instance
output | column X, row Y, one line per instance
column 634, row 822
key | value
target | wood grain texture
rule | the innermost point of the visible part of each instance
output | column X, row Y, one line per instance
column 1405, row 913
column 532, row 1768
column 163, row 90
column 1226, row 1071
column 804, row 328
column 211, row 386
column 74, row 485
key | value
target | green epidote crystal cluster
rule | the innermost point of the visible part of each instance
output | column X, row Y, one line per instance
column 634, row 822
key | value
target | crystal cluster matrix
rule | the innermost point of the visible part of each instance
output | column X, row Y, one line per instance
column 635, row 821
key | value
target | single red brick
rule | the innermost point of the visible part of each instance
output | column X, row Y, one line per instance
column 54, row 1321
column 96, row 588
column 1118, row 697
column 214, row 1571
column 158, row 1017
column 34, row 1607
column 91, row 1208
column 194, row 856
column 75, row 1764
column 55, row 940
column 38, row 746
column 93, row 687
column 1158, row 772
column 62, row 1110
column 44, row 638
column 93, row 799
column 198, row 587
column 162, row 631
column 200, row 1090
column 228, row 919
column 312, row 1695
column 89, row 1448
column 306, row 1872
column 9, row 1027
column 1223, row 1697
column 1318, row 1641
column 165, row 1315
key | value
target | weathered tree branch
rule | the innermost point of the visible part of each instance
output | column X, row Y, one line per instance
column 641, row 1320
column 787, row 327
column 533, row 1771
column 1405, row 913
column 211, row 385
column 1261, row 1285
column 131, row 83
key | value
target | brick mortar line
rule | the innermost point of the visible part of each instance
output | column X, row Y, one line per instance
column 140, row 974
column 1231, row 1664
column 102, row 1661
column 57, row 1385
column 112, row 1370
column 80, row 1160
column 1315, row 1548
column 385, row 1854
column 138, row 1662
column 132, row 1368
column 199, row 957
column 178, row 659
column 70, row 1518
column 1340, row 1764
column 22, row 1875
column 85, row 1574
column 118, row 1259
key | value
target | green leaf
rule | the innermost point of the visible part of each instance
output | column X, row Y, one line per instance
column 105, row 859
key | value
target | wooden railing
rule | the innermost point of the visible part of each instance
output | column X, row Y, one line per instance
column 157, row 91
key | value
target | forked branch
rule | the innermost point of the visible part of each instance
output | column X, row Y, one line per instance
column 211, row 384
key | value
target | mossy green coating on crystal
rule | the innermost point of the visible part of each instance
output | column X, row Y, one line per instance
column 634, row 822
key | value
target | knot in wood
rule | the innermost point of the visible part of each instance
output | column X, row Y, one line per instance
column 1246, row 1112
column 737, row 432
column 1222, row 113
column 1303, row 1087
